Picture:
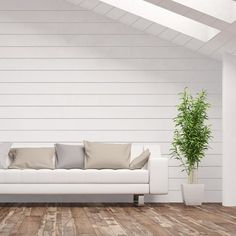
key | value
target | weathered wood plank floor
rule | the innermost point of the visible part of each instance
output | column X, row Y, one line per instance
column 116, row 219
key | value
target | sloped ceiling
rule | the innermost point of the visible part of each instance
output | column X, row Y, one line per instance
column 225, row 41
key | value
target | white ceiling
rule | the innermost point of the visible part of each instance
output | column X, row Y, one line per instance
column 225, row 41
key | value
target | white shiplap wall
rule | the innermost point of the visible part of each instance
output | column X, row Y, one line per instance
column 68, row 74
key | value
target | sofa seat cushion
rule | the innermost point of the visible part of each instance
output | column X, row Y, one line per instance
column 62, row 176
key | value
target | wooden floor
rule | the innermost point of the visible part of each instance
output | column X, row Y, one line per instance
column 116, row 219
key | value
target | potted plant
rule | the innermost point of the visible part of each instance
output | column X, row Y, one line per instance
column 190, row 141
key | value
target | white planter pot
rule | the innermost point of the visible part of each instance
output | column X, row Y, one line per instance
column 193, row 194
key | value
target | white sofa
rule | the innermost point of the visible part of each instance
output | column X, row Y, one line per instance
column 152, row 179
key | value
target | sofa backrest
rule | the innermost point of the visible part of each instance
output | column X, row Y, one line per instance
column 135, row 151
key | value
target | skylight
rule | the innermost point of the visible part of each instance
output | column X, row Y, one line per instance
column 222, row 9
column 166, row 18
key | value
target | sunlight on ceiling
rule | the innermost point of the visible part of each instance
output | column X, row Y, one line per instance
column 166, row 18
column 222, row 9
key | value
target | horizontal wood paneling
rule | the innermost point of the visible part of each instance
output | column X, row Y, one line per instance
column 97, row 52
column 79, row 135
column 67, row 28
column 67, row 74
column 106, row 88
column 35, row 5
column 210, row 184
column 107, row 64
column 93, row 124
column 209, row 160
column 96, row 100
column 193, row 77
column 209, row 172
column 66, row 112
column 46, row 16
column 176, row 196
column 82, row 40
column 215, row 148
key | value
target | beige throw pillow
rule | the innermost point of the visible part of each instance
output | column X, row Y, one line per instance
column 32, row 158
column 140, row 161
column 106, row 156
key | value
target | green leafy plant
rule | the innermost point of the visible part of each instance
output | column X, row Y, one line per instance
column 191, row 134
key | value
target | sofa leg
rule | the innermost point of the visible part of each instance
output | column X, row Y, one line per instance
column 139, row 200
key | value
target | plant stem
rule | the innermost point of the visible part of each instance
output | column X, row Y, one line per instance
column 192, row 176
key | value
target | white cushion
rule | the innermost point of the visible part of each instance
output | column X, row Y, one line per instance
column 77, row 176
column 4, row 150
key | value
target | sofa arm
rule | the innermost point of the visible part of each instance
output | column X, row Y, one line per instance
column 158, row 175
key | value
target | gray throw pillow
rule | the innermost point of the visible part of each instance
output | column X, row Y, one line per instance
column 140, row 161
column 107, row 156
column 69, row 156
